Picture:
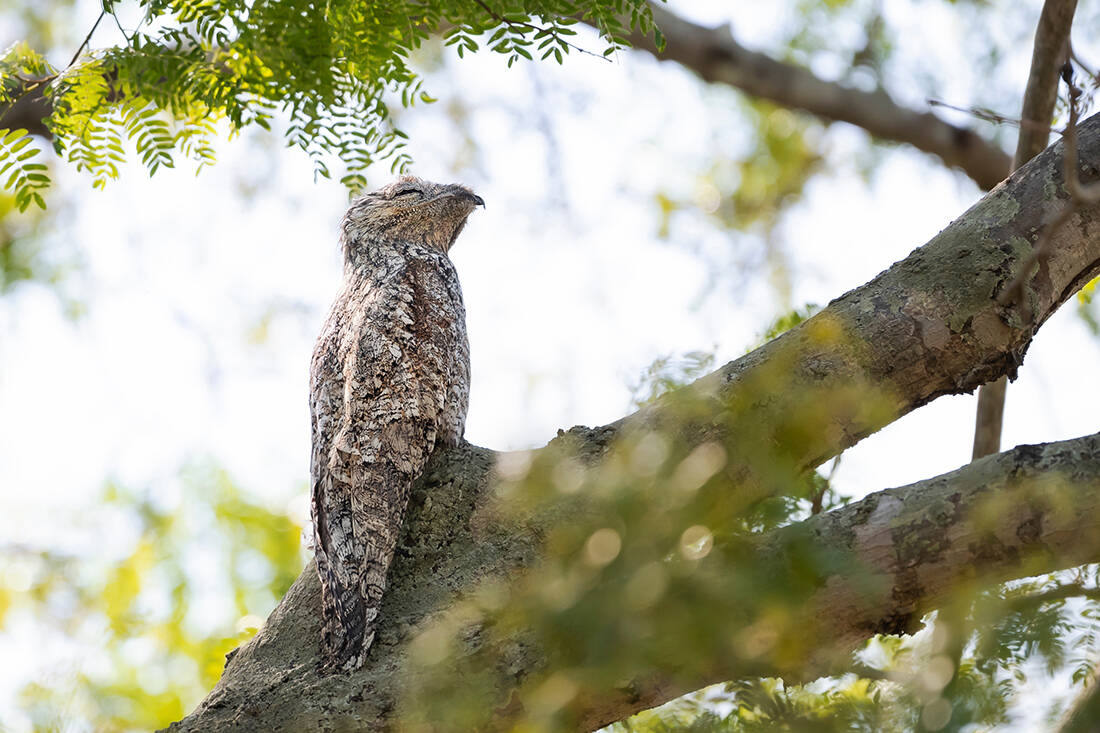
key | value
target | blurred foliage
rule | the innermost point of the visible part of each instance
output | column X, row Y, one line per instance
column 848, row 704
column 335, row 72
column 41, row 25
column 749, row 192
column 782, row 156
column 193, row 580
column 666, row 373
column 1086, row 306
column 26, row 177
column 21, row 255
column 651, row 561
column 654, row 558
column 785, row 322
column 31, row 252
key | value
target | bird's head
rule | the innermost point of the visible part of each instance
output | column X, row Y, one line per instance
column 409, row 210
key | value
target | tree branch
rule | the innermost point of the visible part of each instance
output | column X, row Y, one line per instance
column 28, row 112
column 1050, row 51
column 930, row 325
column 910, row 549
column 714, row 55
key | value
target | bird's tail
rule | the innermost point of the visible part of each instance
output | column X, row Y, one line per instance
column 355, row 538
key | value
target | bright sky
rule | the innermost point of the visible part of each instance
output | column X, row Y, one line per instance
column 570, row 294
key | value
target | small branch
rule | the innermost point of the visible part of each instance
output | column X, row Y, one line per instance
column 817, row 501
column 1049, row 53
column 128, row 36
column 1080, row 63
column 538, row 29
column 980, row 113
column 30, row 109
column 716, row 56
column 992, row 117
column 867, row 672
column 1050, row 49
column 87, row 39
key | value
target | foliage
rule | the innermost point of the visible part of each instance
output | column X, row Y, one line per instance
column 764, row 179
column 910, row 683
column 333, row 69
column 21, row 256
column 666, row 373
column 194, row 581
column 787, row 321
column 1086, row 308
column 25, row 176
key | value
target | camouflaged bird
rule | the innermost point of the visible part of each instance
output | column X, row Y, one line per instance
column 389, row 382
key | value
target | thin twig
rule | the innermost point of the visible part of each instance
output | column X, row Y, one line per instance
column 982, row 114
column 817, row 501
column 29, row 85
column 1084, row 67
column 531, row 26
column 87, row 39
column 127, row 36
column 990, row 116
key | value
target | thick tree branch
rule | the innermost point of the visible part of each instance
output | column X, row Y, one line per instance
column 714, row 55
column 930, row 325
column 1030, row 510
column 1050, row 51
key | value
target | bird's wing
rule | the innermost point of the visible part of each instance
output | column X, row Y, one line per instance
column 378, row 409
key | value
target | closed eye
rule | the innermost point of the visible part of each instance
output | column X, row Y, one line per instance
column 407, row 191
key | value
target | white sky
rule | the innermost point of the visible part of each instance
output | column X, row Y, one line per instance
column 570, row 294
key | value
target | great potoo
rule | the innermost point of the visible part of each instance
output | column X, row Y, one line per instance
column 389, row 382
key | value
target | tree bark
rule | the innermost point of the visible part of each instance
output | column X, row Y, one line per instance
column 930, row 325
column 912, row 547
column 717, row 57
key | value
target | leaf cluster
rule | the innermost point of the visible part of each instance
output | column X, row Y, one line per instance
column 332, row 70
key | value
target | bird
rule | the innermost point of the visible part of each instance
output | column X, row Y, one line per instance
column 389, row 384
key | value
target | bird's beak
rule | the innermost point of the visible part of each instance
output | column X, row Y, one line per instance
column 459, row 191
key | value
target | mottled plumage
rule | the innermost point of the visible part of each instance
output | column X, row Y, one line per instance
column 389, row 382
